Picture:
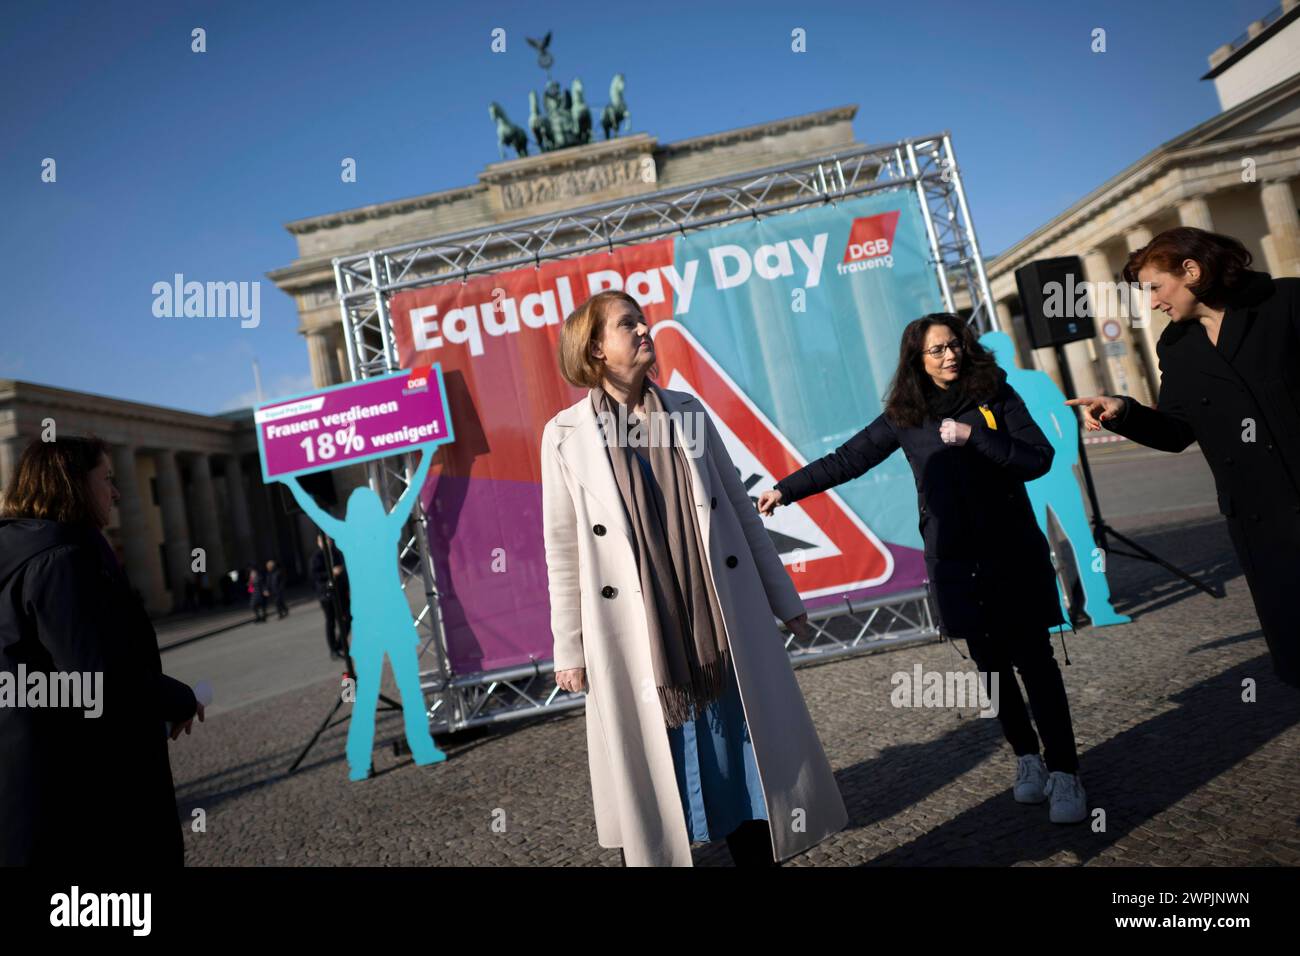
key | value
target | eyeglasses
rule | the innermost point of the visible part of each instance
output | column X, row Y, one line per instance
column 938, row 350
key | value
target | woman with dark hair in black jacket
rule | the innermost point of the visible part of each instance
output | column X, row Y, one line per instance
column 1229, row 381
column 972, row 446
column 80, row 785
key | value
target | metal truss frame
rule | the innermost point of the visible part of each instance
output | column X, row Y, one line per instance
column 365, row 282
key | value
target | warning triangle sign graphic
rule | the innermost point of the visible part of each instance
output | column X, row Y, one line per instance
column 825, row 546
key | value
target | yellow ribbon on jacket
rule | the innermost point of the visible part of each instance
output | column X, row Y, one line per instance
column 988, row 417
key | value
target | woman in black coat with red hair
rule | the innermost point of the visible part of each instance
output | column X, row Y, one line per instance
column 972, row 445
column 1230, row 381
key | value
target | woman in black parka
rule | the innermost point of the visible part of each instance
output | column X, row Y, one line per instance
column 79, row 790
column 972, row 446
column 1230, row 381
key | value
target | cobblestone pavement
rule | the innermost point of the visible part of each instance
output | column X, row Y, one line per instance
column 1184, row 770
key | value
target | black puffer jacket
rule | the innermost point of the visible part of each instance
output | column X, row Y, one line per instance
column 79, row 791
column 989, row 565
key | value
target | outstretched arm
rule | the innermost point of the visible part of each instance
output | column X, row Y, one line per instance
column 402, row 510
column 1166, row 428
column 855, row 457
column 330, row 525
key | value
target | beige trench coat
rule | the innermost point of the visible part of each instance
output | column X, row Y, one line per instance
column 598, row 622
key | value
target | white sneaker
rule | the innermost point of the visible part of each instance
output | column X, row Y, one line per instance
column 1069, row 802
column 1031, row 779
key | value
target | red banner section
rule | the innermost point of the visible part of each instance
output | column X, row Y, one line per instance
column 497, row 338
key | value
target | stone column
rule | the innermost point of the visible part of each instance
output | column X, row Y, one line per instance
column 341, row 353
column 1096, row 271
column 1045, row 361
column 1137, row 237
column 1283, row 248
column 208, row 532
column 1004, row 315
column 244, row 550
column 11, row 449
column 1079, row 360
column 141, row 558
column 1123, row 373
column 176, row 532
column 1080, row 363
column 1271, row 264
column 1195, row 212
column 1151, row 323
column 321, row 355
column 1007, row 326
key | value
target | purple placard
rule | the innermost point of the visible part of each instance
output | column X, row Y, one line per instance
column 347, row 424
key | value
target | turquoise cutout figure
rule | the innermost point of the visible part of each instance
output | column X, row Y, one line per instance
column 381, row 617
column 1059, row 488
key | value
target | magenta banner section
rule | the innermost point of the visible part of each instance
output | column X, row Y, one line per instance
column 347, row 424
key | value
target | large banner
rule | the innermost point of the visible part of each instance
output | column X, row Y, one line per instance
column 786, row 328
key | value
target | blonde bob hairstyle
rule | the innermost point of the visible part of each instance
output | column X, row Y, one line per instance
column 585, row 326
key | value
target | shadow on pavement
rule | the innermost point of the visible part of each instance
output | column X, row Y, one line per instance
column 1201, row 549
column 1134, row 776
column 216, row 788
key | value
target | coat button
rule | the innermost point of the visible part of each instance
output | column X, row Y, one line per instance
column 608, row 591
column 599, row 529
column 1227, row 460
column 713, row 502
column 731, row 561
column 1204, row 400
column 1254, row 517
column 1268, row 447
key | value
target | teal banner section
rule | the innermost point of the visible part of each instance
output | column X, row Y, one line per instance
column 805, row 312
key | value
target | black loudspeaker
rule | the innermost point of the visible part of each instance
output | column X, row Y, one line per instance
column 1051, row 294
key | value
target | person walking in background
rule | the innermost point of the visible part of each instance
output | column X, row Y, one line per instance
column 330, row 577
column 972, row 446
column 1229, row 381
column 275, row 588
column 257, row 596
column 78, row 788
column 664, row 591
column 203, row 593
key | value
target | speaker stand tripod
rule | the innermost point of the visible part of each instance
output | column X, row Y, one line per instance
column 385, row 703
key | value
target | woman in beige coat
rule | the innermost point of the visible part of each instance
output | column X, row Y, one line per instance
column 665, row 589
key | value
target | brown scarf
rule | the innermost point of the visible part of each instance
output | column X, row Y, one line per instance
column 688, row 638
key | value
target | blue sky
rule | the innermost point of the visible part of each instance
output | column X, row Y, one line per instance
column 171, row 161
